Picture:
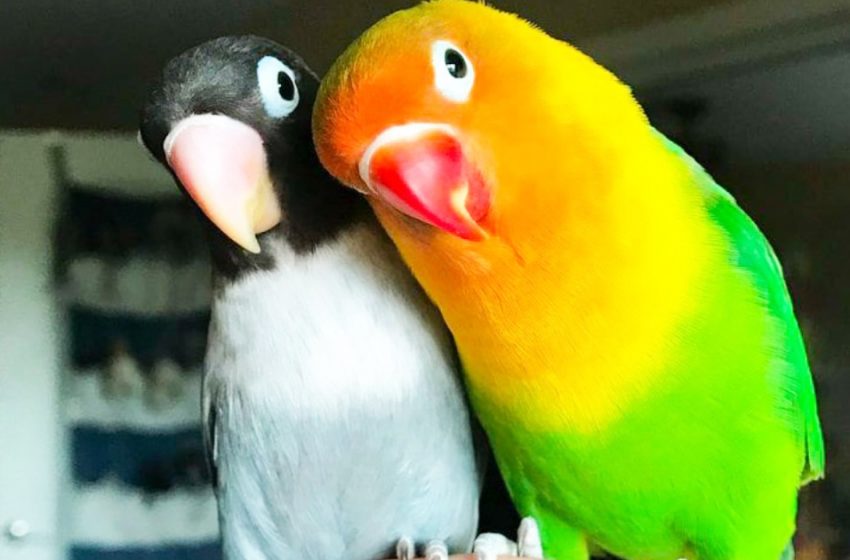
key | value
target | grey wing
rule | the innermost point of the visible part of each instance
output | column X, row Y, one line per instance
column 209, row 410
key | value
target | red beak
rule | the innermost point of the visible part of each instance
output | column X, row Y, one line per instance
column 422, row 171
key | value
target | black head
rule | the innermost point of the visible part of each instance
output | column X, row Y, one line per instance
column 246, row 102
column 223, row 77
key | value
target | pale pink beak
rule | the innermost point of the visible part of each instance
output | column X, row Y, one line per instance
column 221, row 162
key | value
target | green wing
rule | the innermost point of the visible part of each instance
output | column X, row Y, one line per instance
column 755, row 255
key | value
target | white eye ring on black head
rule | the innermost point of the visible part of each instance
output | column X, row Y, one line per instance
column 278, row 88
column 453, row 72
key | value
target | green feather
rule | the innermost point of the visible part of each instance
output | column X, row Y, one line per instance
column 754, row 254
column 709, row 464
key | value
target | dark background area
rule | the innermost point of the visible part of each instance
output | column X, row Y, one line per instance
column 86, row 64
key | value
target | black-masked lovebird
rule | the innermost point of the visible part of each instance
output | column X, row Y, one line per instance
column 625, row 330
column 335, row 416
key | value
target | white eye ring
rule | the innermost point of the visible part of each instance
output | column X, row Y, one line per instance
column 453, row 72
column 276, row 103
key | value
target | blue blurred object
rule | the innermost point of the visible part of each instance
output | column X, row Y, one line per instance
column 125, row 455
column 174, row 552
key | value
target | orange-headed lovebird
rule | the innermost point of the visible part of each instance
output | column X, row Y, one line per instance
column 627, row 337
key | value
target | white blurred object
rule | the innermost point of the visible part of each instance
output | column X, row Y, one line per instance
column 86, row 406
column 165, row 386
column 139, row 285
column 32, row 339
column 183, row 516
column 122, row 377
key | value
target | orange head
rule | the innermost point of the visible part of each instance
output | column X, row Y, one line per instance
column 472, row 122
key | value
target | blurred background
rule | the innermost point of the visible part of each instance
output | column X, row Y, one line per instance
column 104, row 284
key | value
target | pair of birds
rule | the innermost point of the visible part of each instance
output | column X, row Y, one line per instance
column 625, row 335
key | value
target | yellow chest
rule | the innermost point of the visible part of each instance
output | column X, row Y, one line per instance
column 574, row 327
column 577, row 371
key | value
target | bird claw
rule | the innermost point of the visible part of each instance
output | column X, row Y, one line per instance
column 436, row 550
column 490, row 545
column 404, row 549
column 528, row 539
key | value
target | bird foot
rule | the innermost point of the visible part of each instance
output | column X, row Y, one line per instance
column 528, row 539
column 488, row 546
column 436, row 550
column 404, row 549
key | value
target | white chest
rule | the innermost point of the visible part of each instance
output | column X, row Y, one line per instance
column 329, row 329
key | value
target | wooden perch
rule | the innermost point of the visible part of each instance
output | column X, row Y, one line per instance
column 472, row 557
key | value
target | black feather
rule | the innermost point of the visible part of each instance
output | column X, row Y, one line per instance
column 219, row 77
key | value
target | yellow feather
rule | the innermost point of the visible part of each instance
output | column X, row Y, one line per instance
column 594, row 296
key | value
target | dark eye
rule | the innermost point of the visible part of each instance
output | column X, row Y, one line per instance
column 455, row 63
column 277, row 86
column 285, row 86
column 454, row 73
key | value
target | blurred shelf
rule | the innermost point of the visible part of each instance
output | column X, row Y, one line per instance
column 112, row 516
